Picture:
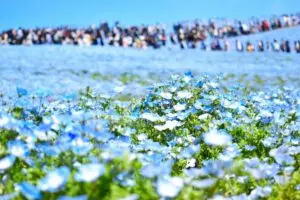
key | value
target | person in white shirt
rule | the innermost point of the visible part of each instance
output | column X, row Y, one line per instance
column 239, row 46
column 276, row 46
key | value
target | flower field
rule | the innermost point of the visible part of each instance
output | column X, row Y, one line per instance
column 105, row 124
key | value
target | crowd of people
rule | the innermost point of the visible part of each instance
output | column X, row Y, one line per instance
column 184, row 34
column 134, row 36
column 191, row 34
column 259, row 46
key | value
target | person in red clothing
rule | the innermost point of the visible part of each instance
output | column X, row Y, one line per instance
column 265, row 25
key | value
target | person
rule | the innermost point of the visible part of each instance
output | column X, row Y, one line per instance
column 218, row 46
column 203, row 45
column 181, row 38
column 275, row 46
column 260, row 46
column 287, row 46
column 244, row 28
column 297, row 46
column 215, row 45
column 265, row 25
column 239, row 46
column 268, row 46
column 163, row 37
column 226, row 45
column 282, row 46
column 172, row 39
column 4, row 39
column 249, row 47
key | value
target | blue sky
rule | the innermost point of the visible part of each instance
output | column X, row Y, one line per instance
column 31, row 13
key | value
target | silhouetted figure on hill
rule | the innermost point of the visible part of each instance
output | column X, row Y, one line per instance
column 239, row 46
column 297, row 46
column 181, row 38
column 172, row 39
column 260, row 46
column 250, row 47
column 282, row 46
column 268, row 46
column 215, row 45
column 265, row 25
column 244, row 28
column 203, row 46
column 275, row 46
column 226, row 45
column 287, row 46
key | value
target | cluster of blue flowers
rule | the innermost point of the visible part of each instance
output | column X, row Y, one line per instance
column 192, row 138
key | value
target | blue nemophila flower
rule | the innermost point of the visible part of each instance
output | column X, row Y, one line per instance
column 184, row 95
column 3, row 121
column 204, row 116
column 18, row 148
column 282, row 180
column 152, row 117
column 198, row 105
column 179, row 107
column 265, row 116
column 103, row 136
column 29, row 191
column 194, row 172
column 250, row 147
column 217, row 138
column 213, row 85
column 42, row 92
column 252, row 162
column 69, row 97
column 89, row 172
column 7, row 162
column 21, row 92
column 152, row 146
column 189, row 151
column 142, row 137
column 119, row 89
column 204, row 183
column 263, row 170
column 169, row 186
column 81, row 146
column 170, row 124
column 229, row 154
column 242, row 179
column 288, row 170
column 81, row 197
column 131, row 197
column 54, row 180
column 166, row 95
column 158, row 169
column 43, row 132
column 282, row 156
column 214, row 167
column 260, row 192
column 191, row 163
column 9, row 196
column 188, row 74
column 269, row 141
column 125, row 179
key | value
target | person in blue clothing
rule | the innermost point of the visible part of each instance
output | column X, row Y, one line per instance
column 203, row 46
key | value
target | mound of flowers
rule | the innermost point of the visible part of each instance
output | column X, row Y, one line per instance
column 192, row 138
